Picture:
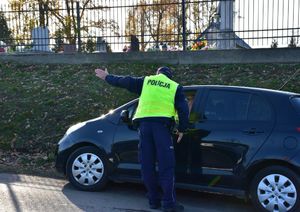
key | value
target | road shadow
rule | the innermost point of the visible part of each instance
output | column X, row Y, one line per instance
column 6, row 180
column 13, row 187
column 118, row 197
column 131, row 197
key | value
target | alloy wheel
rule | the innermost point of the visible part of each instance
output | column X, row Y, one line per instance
column 87, row 169
column 276, row 193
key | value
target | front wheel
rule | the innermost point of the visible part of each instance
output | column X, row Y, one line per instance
column 275, row 188
column 87, row 169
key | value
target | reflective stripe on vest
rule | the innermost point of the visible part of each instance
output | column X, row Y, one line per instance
column 157, row 97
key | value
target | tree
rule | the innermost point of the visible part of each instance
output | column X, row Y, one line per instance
column 155, row 22
column 68, row 17
column 23, row 20
column 162, row 20
column 58, row 47
column 62, row 13
column 135, row 23
column 5, row 32
column 201, row 15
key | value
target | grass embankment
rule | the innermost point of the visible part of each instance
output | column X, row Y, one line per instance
column 39, row 102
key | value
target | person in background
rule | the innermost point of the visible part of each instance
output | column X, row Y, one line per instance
column 160, row 99
column 190, row 100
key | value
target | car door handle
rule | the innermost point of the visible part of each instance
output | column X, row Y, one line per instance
column 207, row 144
column 252, row 131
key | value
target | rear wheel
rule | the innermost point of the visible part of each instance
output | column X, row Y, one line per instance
column 275, row 188
column 87, row 169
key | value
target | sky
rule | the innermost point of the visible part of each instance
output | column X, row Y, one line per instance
column 271, row 15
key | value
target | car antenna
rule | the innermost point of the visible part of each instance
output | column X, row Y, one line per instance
column 286, row 82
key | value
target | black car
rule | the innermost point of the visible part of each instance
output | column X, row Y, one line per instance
column 241, row 141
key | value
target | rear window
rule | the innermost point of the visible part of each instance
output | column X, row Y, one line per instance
column 259, row 109
column 226, row 106
column 296, row 103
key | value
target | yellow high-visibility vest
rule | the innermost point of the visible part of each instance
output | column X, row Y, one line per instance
column 157, row 97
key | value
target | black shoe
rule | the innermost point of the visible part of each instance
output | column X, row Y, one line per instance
column 155, row 206
column 177, row 208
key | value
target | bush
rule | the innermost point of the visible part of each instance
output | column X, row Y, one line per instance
column 5, row 32
column 292, row 43
column 90, row 45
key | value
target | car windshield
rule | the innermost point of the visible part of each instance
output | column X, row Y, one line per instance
column 296, row 103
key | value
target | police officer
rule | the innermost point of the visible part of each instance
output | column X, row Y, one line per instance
column 160, row 99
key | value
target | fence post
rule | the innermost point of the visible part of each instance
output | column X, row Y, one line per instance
column 183, row 26
column 78, row 26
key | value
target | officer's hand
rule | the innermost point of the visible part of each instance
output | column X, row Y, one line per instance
column 180, row 135
column 101, row 73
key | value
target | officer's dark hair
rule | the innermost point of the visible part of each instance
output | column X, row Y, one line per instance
column 166, row 71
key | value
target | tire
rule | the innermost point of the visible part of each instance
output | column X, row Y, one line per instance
column 275, row 188
column 87, row 169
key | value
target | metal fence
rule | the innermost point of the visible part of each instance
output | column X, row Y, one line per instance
column 147, row 25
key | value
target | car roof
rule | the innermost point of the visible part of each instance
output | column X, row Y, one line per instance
column 192, row 87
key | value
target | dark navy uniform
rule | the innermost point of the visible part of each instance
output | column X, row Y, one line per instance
column 156, row 144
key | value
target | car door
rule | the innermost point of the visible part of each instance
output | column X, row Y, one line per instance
column 183, row 149
column 125, row 147
column 233, row 126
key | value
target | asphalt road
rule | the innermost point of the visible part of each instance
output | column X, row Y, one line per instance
column 40, row 194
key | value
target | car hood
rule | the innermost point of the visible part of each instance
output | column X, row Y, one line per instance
column 109, row 118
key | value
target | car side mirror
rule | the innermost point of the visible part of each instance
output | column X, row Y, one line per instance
column 125, row 116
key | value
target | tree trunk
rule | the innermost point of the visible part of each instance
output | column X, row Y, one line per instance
column 41, row 13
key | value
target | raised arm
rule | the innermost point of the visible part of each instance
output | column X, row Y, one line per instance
column 132, row 84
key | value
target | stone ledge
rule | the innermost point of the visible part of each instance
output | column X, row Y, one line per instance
column 239, row 56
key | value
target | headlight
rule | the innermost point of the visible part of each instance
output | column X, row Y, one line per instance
column 75, row 127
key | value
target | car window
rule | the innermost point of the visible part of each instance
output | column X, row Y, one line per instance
column 296, row 103
column 259, row 109
column 226, row 106
column 131, row 109
column 190, row 98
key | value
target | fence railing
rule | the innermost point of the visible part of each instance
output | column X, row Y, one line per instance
column 147, row 25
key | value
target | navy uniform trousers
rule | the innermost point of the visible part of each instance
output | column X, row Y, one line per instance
column 156, row 145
